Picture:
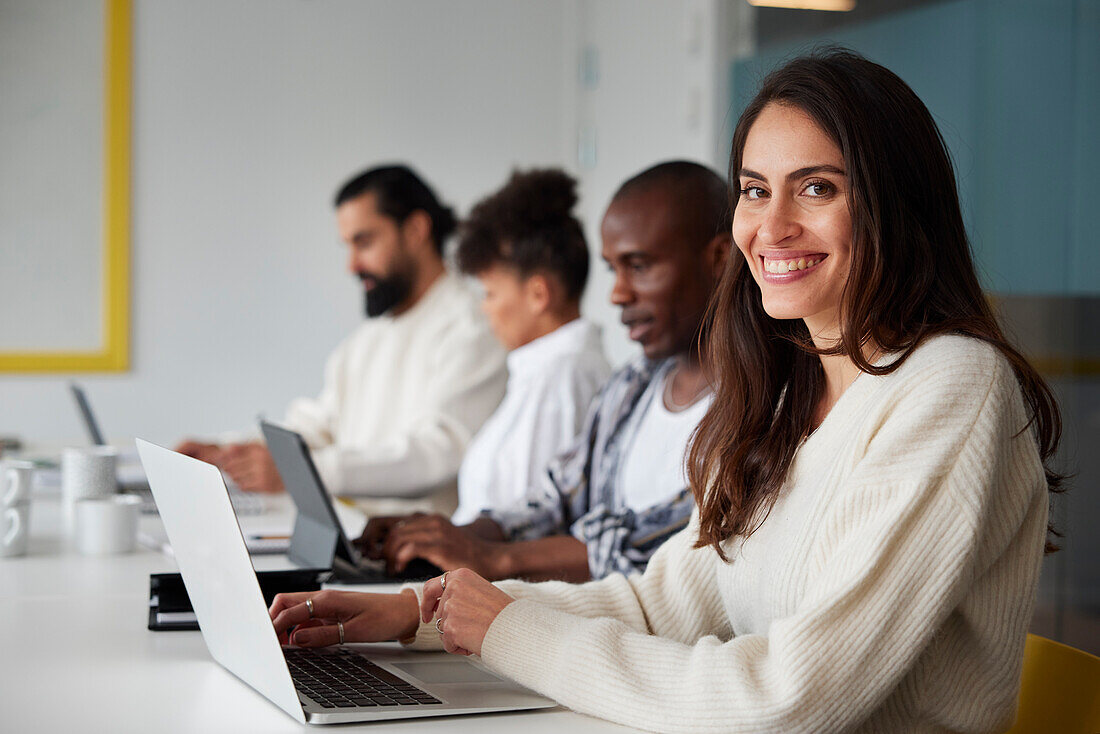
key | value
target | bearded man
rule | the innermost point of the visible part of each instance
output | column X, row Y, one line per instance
column 406, row 391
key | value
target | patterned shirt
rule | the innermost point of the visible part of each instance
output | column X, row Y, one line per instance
column 578, row 493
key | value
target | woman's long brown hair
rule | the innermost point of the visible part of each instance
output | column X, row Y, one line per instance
column 911, row 278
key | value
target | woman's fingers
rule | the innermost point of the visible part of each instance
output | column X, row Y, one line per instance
column 282, row 601
column 316, row 636
column 429, row 598
column 291, row 617
column 291, row 610
column 449, row 645
column 314, row 627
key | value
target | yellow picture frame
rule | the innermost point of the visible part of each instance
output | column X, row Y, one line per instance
column 114, row 353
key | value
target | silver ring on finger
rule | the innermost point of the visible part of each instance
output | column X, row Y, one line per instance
column 438, row 628
column 443, row 580
column 309, row 607
column 340, row 629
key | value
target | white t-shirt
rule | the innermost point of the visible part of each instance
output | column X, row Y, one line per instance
column 551, row 381
column 653, row 467
column 403, row 395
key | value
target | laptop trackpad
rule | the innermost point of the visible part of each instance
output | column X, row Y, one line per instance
column 447, row 672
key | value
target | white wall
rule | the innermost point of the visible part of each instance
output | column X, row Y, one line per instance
column 50, row 109
column 247, row 115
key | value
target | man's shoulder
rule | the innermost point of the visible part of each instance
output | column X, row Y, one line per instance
column 628, row 381
column 638, row 370
column 453, row 291
column 452, row 305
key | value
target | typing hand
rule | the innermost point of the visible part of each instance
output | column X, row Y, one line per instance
column 436, row 540
column 211, row 453
column 466, row 606
column 365, row 617
column 378, row 529
column 251, row 467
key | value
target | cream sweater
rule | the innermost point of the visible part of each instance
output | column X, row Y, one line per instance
column 889, row 589
column 402, row 397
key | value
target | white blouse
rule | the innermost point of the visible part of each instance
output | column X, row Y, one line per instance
column 551, row 382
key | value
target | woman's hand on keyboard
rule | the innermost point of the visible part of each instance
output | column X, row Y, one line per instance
column 365, row 617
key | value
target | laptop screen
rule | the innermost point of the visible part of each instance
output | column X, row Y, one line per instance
column 86, row 413
column 318, row 536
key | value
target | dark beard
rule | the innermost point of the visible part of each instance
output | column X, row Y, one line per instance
column 386, row 294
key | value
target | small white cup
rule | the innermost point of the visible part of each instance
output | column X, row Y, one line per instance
column 106, row 525
column 87, row 472
column 14, row 529
column 15, row 482
column 15, row 506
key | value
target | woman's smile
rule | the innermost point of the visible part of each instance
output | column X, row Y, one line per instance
column 788, row 267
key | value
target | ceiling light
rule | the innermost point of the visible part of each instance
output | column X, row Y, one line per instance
column 842, row 5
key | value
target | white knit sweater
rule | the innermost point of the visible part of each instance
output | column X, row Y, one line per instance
column 889, row 589
column 402, row 397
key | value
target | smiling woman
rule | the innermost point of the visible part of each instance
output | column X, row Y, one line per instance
column 839, row 164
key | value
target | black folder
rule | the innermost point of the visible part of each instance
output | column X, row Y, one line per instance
column 170, row 607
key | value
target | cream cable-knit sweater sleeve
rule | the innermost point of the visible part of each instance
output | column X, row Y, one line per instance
column 914, row 594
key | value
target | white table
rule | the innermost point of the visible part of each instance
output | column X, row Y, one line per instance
column 76, row 654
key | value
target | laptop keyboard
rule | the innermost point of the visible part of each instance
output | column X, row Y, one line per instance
column 344, row 679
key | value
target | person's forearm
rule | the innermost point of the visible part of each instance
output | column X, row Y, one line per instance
column 410, row 466
column 409, row 610
column 557, row 558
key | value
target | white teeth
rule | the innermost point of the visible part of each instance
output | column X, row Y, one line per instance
column 789, row 266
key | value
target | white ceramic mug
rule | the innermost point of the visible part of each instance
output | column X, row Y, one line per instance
column 87, row 472
column 15, row 482
column 15, row 506
column 106, row 525
column 14, row 529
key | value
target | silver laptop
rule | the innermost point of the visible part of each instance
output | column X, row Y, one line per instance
column 221, row 582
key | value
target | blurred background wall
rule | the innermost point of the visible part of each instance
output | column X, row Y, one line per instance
column 248, row 114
